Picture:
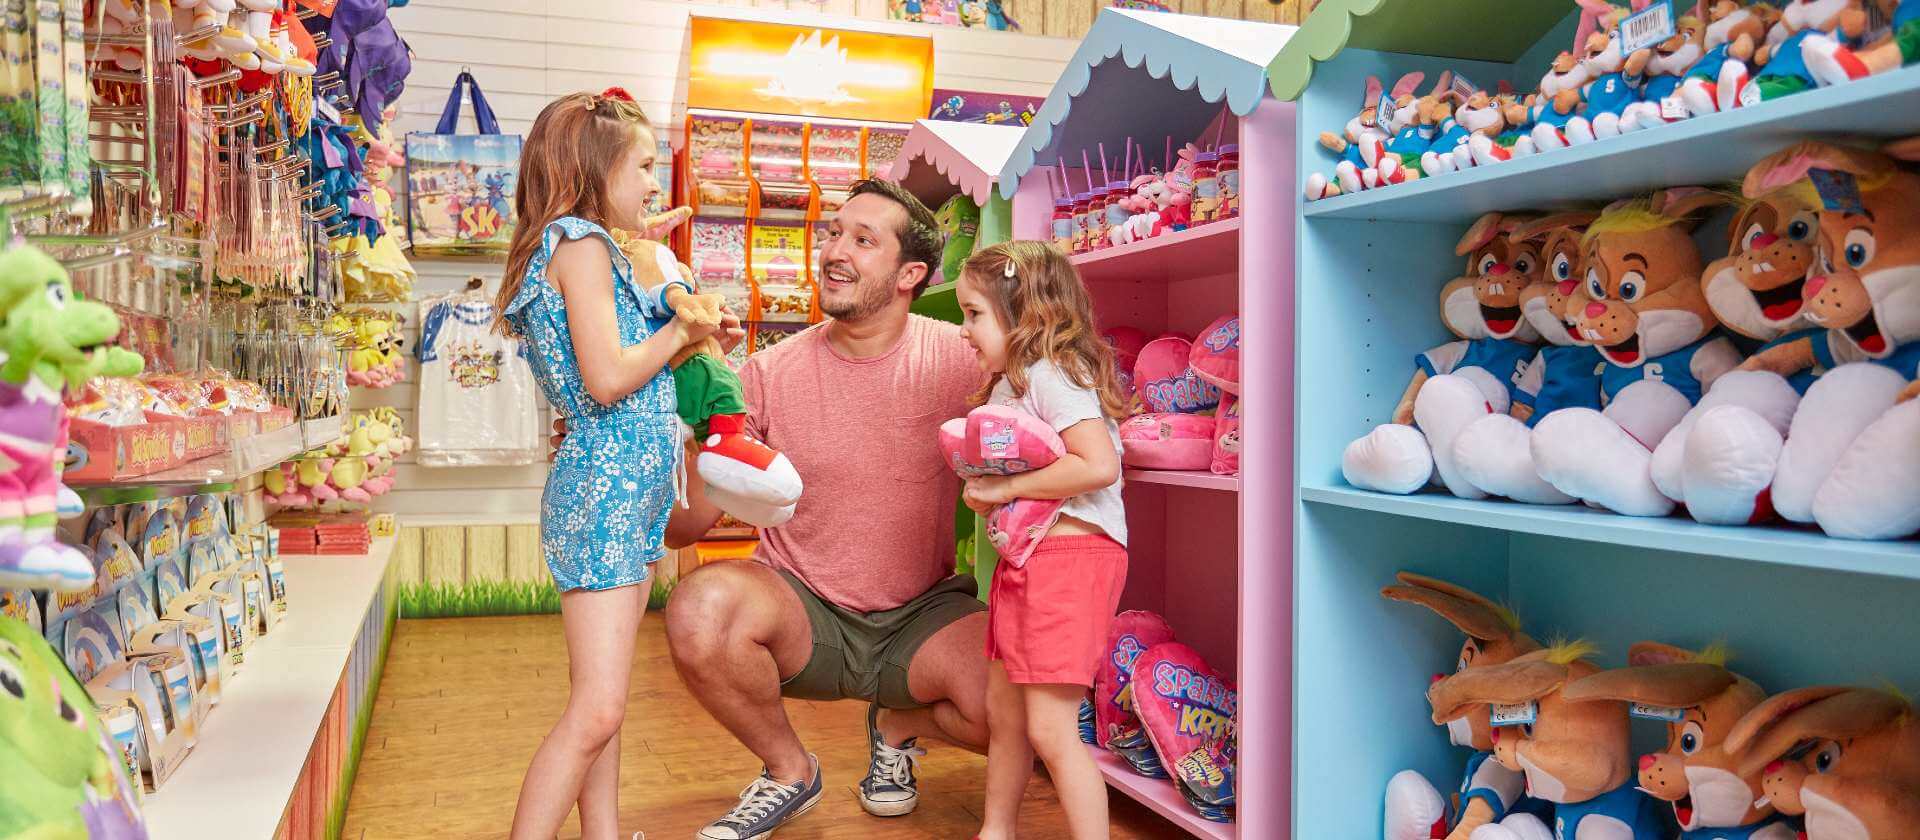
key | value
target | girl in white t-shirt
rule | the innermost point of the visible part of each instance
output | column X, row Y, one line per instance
column 1030, row 320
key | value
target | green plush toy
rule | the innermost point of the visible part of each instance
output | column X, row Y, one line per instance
column 960, row 219
column 61, row 781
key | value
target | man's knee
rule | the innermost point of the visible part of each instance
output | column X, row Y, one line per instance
column 705, row 605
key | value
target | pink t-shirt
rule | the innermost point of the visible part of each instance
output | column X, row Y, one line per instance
column 874, row 528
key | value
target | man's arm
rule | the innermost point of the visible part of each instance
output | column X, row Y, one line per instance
column 686, row 525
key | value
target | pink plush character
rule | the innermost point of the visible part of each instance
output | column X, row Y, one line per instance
column 1216, row 356
column 1168, row 441
column 997, row 440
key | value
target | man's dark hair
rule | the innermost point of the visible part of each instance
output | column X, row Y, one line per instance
column 921, row 239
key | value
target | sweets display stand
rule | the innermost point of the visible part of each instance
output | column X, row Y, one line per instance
column 277, row 758
column 943, row 159
column 1210, row 553
column 1793, row 605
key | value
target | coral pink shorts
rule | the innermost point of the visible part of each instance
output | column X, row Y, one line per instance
column 1047, row 621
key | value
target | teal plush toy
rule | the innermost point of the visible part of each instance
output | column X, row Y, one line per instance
column 960, row 220
column 62, row 778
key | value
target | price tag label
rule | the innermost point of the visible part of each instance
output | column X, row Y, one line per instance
column 1671, row 108
column 1660, row 713
column 1646, row 27
column 1514, row 715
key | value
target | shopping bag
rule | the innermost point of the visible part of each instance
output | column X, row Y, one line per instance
column 460, row 186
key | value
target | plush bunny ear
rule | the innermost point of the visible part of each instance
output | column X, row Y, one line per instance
column 1442, row 84
column 1483, row 231
column 1372, row 96
column 1472, row 614
column 1405, row 86
column 1838, row 713
column 1794, row 162
column 1677, row 685
column 1528, row 678
column 1539, row 228
column 1906, row 149
column 1682, row 202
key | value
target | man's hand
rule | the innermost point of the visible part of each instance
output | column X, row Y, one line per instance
column 730, row 332
column 559, row 434
column 987, row 492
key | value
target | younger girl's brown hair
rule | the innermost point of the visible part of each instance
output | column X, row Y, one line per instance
column 1048, row 315
column 564, row 163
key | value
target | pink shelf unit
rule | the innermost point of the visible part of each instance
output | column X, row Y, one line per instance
column 1211, row 553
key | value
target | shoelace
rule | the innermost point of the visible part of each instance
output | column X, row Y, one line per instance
column 757, row 801
column 895, row 764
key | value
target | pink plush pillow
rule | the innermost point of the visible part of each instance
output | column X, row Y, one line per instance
column 1167, row 441
column 1130, row 635
column 1216, row 356
column 1167, row 382
column 997, row 440
column 1188, row 711
column 1226, row 439
column 1126, row 343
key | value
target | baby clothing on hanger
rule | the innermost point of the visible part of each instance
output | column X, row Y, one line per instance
column 477, row 396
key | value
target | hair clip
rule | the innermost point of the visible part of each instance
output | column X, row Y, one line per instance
column 592, row 102
column 1009, row 270
column 617, row 92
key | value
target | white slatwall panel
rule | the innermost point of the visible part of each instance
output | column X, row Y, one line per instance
column 524, row 54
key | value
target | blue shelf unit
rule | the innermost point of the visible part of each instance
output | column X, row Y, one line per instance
column 1795, row 607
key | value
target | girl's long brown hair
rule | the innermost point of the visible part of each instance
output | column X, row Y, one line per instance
column 563, row 172
column 1048, row 315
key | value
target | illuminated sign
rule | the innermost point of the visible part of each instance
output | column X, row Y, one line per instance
column 775, row 68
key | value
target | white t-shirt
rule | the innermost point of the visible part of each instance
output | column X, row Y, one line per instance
column 1058, row 402
column 476, row 403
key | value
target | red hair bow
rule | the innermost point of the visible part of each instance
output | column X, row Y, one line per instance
column 617, row 92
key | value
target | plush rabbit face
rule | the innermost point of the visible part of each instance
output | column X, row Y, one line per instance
column 1694, row 773
column 1643, row 281
column 1482, row 113
column 1865, row 282
column 1675, row 55
column 1544, row 301
column 1493, row 638
column 1859, row 778
column 1498, row 268
column 1574, row 750
column 1756, row 288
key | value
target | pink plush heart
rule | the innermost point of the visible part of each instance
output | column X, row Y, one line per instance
column 1226, row 438
column 1188, row 710
column 1167, row 382
column 1167, row 441
column 1132, row 633
column 1126, row 343
column 997, row 440
column 1216, row 356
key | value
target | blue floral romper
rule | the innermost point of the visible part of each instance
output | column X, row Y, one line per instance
column 603, row 516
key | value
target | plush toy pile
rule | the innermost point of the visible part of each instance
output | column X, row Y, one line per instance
column 1195, row 188
column 1549, row 733
column 1602, row 359
column 376, row 360
column 354, row 469
column 1718, row 55
column 1190, row 395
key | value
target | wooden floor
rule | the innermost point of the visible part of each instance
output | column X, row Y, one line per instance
column 464, row 702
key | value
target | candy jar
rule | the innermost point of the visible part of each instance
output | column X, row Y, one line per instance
column 1206, row 188
column 1097, row 220
column 1118, row 195
column 1080, row 222
column 1229, row 174
column 1063, row 224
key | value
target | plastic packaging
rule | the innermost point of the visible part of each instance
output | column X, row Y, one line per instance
column 1063, row 224
column 1080, row 222
column 1229, row 174
column 1206, row 188
column 1117, row 214
column 478, row 404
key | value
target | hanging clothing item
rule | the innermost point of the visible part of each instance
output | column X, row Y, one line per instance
column 477, row 405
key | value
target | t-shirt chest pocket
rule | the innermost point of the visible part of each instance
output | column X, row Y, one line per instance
column 911, row 448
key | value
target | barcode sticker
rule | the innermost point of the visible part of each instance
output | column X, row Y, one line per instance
column 1515, row 715
column 1660, row 713
column 1463, row 87
column 1646, row 27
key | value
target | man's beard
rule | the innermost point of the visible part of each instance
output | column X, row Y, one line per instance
column 868, row 298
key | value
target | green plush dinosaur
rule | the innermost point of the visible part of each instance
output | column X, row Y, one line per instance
column 52, row 341
column 959, row 217
column 50, row 743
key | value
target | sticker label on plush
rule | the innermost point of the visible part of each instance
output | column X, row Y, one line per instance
column 1515, row 715
column 1647, row 27
column 1839, row 192
column 1666, row 714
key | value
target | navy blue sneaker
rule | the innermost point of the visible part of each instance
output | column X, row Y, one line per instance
column 890, row 789
column 764, row 806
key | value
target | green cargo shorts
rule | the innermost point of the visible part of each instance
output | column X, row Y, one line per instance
column 865, row 656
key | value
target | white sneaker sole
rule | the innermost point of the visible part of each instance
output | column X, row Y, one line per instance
column 815, row 800
column 889, row 809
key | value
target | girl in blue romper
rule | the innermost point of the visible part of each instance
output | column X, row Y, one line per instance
column 587, row 164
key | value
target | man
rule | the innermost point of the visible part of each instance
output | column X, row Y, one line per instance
column 855, row 597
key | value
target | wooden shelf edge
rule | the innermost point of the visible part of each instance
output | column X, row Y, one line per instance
column 1774, row 544
column 1158, row 795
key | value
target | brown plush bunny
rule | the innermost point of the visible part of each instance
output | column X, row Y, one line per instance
column 1734, row 33
column 1699, row 700
column 1651, row 323
column 1488, row 791
column 1574, row 752
column 1859, row 778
